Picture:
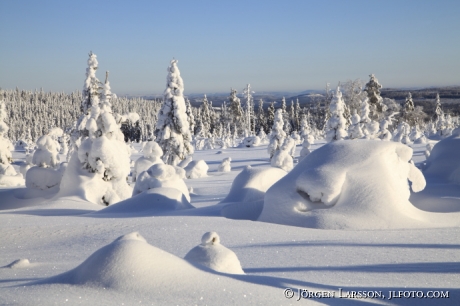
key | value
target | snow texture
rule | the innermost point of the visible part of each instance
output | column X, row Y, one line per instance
column 351, row 185
column 211, row 254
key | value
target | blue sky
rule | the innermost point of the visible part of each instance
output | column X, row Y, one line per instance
column 273, row 45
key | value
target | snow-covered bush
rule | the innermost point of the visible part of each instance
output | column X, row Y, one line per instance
column 283, row 157
column 45, row 174
column 306, row 147
column 46, row 154
column 251, row 141
column 211, row 254
column 172, row 130
column 196, row 169
column 355, row 131
column 225, row 166
column 161, row 176
column 152, row 155
column 339, row 186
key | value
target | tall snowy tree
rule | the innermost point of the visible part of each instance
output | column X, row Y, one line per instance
column 261, row 120
column 172, row 130
column 278, row 135
column 372, row 89
column 408, row 109
column 237, row 114
column 249, row 110
column 336, row 125
column 190, row 117
column 438, row 110
column 271, row 114
column 205, row 119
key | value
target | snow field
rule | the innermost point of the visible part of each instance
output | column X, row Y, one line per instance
column 57, row 235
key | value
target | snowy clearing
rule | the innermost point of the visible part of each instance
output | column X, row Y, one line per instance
column 69, row 252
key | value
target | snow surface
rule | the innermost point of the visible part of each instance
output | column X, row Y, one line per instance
column 57, row 234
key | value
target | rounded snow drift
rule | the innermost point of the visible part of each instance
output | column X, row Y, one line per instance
column 355, row 184
column 245, row 199
column 211, row 254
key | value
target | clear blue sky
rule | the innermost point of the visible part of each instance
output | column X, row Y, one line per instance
column 274, row 45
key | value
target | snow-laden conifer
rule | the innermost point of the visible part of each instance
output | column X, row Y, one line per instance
column 372, row 88
column 277, row 135
column 336, row 125
column 172, row 130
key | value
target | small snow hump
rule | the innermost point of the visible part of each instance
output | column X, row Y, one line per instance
column 131, row 236
column 19, row 263
column 211, row 254
column 210, row 238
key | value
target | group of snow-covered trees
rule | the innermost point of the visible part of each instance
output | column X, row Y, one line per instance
column 354, row 110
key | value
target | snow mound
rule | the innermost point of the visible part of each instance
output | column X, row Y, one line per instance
column 130, row 263
column 196, row 169
column 351, row 185
column 149, row 203
column 211, row 254
column 143, row 164
column 44, row 178
column 11, row 180
column 245, row 199
column 161, row 176
column 225, row 166
column 76, row 181
column 443, row 162
column 19, row 264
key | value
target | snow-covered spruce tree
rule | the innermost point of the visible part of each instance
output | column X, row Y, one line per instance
column 372, row 88
column 408, row 109
column 205, row 130
column 277, row 135
column 336, row 125
column 437, row 108
column 236, row 113
column 190, row 117
column 172, row 130
column 261, row 120
column 297, row 115
column 8, row 175
column 364, row 113
column 249, row 111
column 270, row 115
column 100, row 167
